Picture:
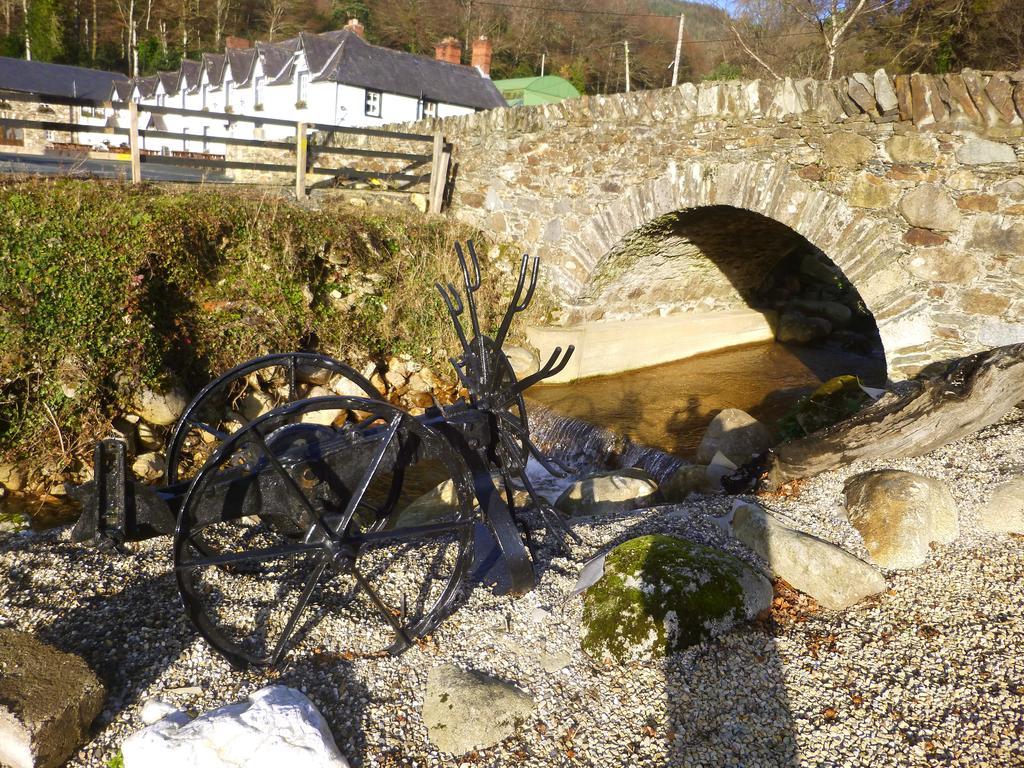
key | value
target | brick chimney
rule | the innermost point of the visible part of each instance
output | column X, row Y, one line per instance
column 354, row 25
column 482, row 50
column 449, row 50
column 236, row 43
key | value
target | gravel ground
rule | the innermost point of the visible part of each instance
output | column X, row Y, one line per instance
column 928, row 673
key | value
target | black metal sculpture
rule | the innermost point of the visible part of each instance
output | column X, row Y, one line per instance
column 343, row 495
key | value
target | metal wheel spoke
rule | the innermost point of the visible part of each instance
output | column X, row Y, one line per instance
column 291, row 378
column 222, row 436
column 371, row 470
column 379, row 604
column 269, row 553
column 417, row 532
column 307, row 592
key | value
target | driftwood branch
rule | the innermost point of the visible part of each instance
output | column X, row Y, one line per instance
column 973, row 393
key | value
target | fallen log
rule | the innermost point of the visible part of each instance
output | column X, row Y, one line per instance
column 971, row 394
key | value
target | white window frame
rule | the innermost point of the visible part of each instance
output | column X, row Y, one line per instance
column 428, row 108
column 257, row 87
column 373, row 103
column 302, row 86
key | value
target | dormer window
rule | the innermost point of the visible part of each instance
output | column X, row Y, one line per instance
column 373, row 99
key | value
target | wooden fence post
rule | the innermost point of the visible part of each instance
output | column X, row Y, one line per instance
column 300, row 161
column 133, row 141
column 436, row 184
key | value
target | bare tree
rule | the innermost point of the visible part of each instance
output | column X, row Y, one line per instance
column 221, row 10
column 833, row 19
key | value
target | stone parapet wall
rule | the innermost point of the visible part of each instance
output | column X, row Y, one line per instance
column 923, row 210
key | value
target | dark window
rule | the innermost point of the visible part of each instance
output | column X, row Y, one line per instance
column 373, row 99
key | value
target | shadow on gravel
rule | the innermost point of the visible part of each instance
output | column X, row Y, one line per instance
column 132, row 637
column 725, row 700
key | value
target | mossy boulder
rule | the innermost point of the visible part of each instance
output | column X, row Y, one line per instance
column 660, row 595
column 838, row 398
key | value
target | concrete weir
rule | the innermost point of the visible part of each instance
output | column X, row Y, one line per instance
column 613, row 346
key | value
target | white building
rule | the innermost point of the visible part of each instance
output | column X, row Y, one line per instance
column 332, row 78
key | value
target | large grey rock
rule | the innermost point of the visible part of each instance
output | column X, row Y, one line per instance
column 736, row 435
column 161, row 408
column 688, row 479
column 984, row 152
column 277, row 726
column 606, row 493
column 798, row 328
column 1004, row 512
column 885, row 94
column 659, row 595
column 847, row 150
column 467, row 710
column 48, row 699
column 830, row 575
column 899, row 514
column 930, row 206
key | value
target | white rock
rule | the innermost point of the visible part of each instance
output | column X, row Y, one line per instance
column 736, row 434
column 277, row 727
column 161, row 408
column 524, row 361
column 12, row 477
column 149, row 466
column 607, row 493
column 255, row 404
column 983, row 152
column 148, row 437
column 323, row 416
column 155, row 709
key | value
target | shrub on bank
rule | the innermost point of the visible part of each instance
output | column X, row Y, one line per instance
column 105, row 287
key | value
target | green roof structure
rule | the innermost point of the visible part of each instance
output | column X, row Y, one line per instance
column 527, row 91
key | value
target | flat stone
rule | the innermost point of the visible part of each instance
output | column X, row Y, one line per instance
column 830, row 575
column 988, row 203
column 921, row 88
column 860, row 88
column 1000, row 92
column 847, row 150
column 899, row 514
column 961, row 100
column 985, row 152
column 870, row 191
column 885, row 94
column 929, row 206
column 1004, row 511
column 467, row 710
column 943, row 265
column 736, row 435
column 912, row 148
column 996, row 234
column 277, row 726
column 607, row 493
column 923, row 237
column 980, row 302
column 48, row 699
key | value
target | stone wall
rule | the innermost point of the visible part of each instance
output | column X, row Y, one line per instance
column 911, row 185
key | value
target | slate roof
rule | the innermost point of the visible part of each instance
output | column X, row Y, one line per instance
column 369, row 66
column 190, row 73
column 147, row 85
column 240, row 63
column 47, row 79
column 122, row 90
column 275, row 58
column 170, row 81
column 214, row 64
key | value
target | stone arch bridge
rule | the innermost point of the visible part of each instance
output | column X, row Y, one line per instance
column 912, row 186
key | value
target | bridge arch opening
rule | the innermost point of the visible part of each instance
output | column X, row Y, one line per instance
column 704, row 308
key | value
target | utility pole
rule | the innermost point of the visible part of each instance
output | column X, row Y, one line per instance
column 543, row 60
column 625, row 44
column 679, row 50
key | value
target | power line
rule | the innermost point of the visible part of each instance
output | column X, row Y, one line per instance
column 553, row 9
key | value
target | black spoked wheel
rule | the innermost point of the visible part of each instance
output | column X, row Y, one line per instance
column 246, row 392
column 345, row 537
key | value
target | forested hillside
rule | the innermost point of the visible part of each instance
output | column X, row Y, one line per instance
column 583, row 40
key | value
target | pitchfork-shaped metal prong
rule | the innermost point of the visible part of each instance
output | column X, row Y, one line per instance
column 517, row 305
column 455, row 307
column 551, row 368
column 472, row 284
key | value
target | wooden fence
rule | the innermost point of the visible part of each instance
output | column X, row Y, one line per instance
column 393, row 160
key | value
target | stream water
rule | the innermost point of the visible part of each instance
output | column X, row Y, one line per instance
column 668, row 406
